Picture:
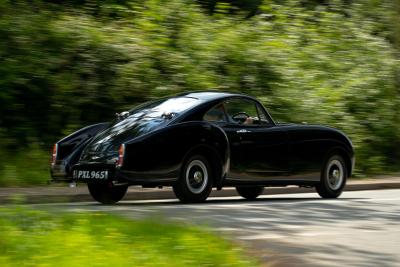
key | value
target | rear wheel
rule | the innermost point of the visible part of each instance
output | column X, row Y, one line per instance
column 333, row 177
column 249, row 192
column 195, row 181
column 106, row 193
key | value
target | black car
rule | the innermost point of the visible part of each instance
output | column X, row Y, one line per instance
column 197, row 141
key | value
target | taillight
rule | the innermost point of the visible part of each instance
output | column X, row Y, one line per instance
column 121, row 154
column 54, row 154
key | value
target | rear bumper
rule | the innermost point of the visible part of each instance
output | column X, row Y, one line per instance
column 61, row 174
column 59, row 169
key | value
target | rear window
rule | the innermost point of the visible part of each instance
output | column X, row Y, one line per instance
column 162, row 107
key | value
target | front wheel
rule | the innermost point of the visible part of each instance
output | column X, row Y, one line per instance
column 333, row 178
column 106, row 193
column 195, row 181
column 249, row 192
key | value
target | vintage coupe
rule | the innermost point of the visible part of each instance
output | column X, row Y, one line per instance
column 200, row 140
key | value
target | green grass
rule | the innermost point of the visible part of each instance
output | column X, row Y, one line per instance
column 39, row 238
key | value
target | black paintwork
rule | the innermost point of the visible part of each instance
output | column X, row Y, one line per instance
column 157, row 145
column 70, row 149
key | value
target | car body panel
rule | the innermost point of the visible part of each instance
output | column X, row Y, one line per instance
column 70, row 149
column 173, row 144
column 257, row 152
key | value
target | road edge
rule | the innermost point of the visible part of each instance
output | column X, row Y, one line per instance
column 137, row 194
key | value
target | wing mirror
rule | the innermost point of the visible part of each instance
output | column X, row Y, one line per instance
column 168, row 115
column 122, row 115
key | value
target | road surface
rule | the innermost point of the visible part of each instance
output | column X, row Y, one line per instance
column 360, row 228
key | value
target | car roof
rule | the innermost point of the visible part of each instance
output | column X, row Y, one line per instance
column 209, row 95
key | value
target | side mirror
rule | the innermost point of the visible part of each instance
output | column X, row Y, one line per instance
column 122, row 115
column 168, row 115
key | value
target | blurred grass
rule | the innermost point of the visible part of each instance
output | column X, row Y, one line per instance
column 38, row 238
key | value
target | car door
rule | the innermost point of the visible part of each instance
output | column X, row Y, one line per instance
column 259, row 148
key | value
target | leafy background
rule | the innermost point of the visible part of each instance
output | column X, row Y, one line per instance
column 67, row 64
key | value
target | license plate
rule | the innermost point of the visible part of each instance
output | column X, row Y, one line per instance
column 82, row 174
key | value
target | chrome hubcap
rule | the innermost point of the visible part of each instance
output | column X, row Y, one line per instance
column 335, row 174
column 196, row 176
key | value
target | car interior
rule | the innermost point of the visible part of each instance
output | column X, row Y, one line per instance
column 237, row 111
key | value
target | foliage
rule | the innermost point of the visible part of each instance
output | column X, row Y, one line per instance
column 38, row 238
column 29, row 167
column 66, row 64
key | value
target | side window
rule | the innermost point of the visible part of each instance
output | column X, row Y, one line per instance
column 245, row 111
column 215, row 114
column 261, row 114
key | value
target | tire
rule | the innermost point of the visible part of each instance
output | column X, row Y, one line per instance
column 195, row 181
column 249, row 192
column 106, row 193
column 333, row 177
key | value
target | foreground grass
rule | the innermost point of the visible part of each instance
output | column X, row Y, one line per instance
column 38, row 238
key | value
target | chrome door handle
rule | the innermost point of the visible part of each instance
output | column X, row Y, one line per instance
column 243, row 131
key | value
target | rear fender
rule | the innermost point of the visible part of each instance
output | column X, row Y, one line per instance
column 162, row 152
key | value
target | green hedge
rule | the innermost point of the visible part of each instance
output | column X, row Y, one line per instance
column 66, row 64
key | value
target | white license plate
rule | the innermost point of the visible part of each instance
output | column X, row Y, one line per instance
column 81, row 174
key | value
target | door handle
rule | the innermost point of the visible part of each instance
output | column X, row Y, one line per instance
column 243, row 131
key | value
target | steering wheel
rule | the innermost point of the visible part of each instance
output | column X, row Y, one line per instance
column 240, row 116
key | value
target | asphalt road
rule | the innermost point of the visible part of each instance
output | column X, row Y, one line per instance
column 360, row 228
